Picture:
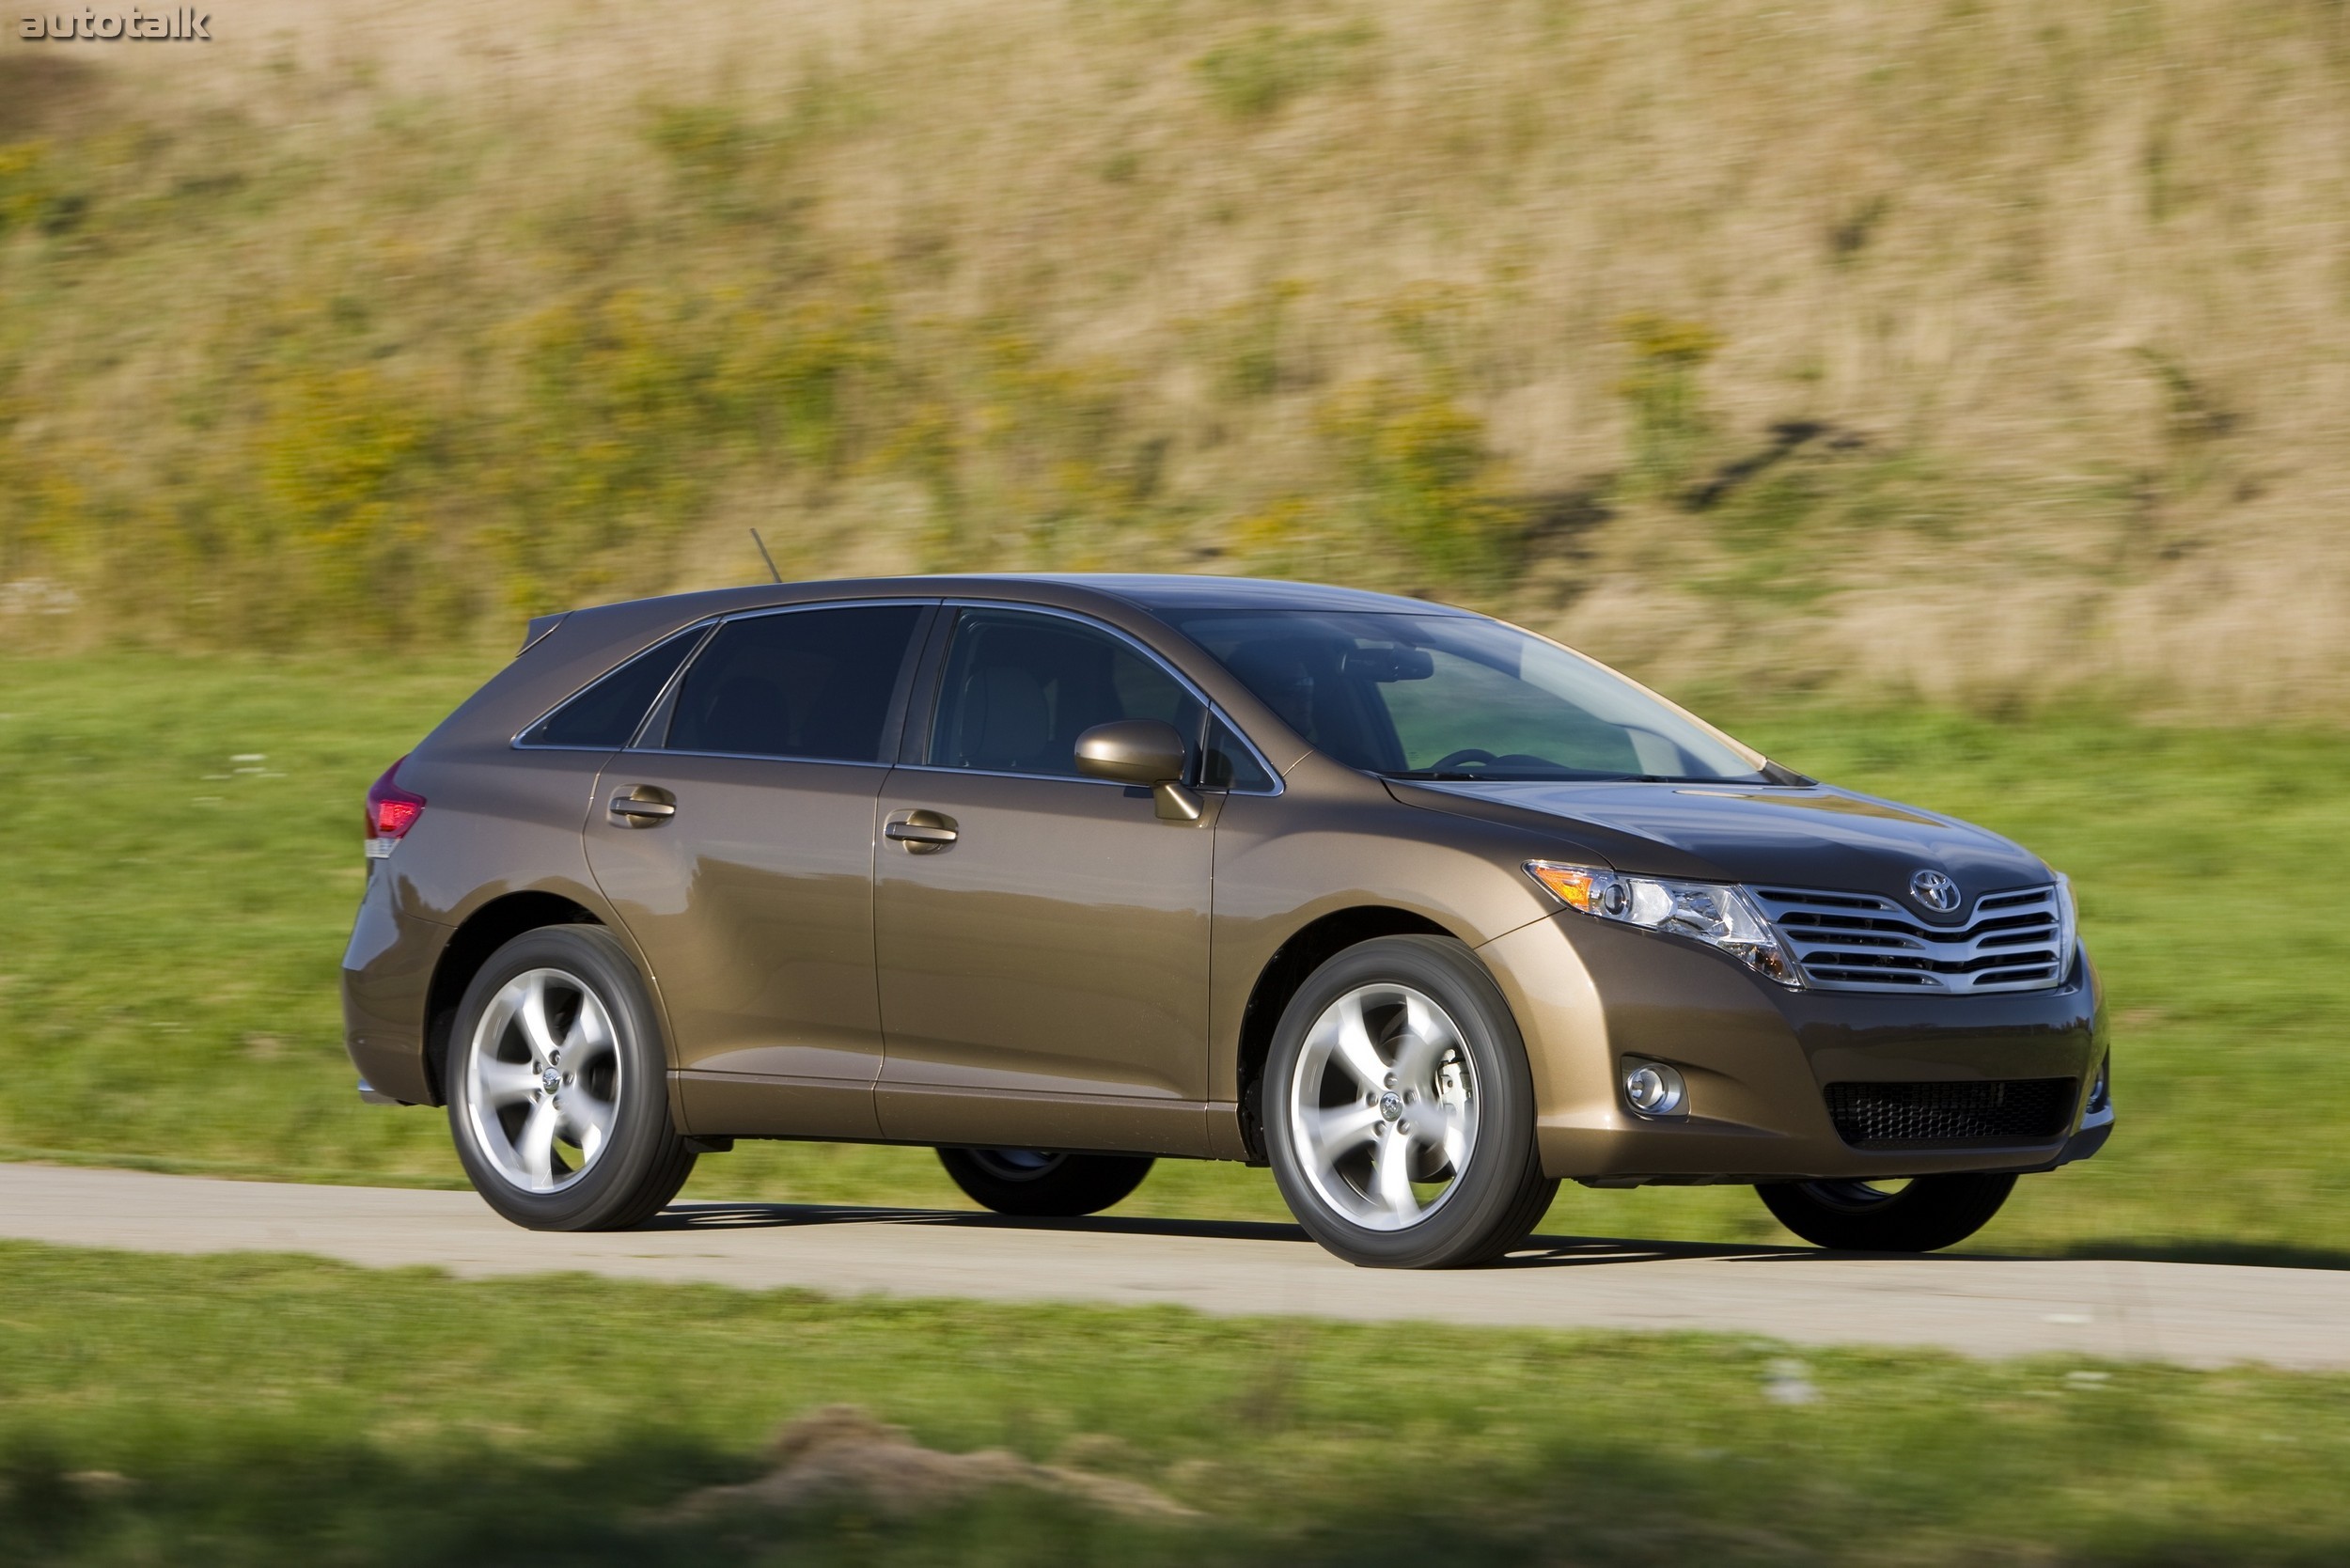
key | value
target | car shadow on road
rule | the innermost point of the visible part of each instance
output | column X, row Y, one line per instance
column 1584, row 1252
column 752, row 1216
column 1535, row 1252
column 1544, row 1251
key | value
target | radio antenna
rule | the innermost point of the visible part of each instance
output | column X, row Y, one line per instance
column 766, row 556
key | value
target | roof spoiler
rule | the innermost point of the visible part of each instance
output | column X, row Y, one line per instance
column 540, row 626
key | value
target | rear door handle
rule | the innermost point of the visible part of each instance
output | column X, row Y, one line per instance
column 921, row 832
column 644, row 805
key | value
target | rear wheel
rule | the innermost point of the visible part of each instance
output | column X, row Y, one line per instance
column 557, row 1086
column 1043, row 1183
column 1399, row 1111
column 1920, row 1215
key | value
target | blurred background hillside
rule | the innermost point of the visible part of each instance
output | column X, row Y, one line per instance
column 1996, row 351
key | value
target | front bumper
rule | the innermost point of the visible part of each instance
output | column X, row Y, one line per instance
column 1758, row 1057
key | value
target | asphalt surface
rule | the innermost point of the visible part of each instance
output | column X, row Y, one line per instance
column 2194, row 1313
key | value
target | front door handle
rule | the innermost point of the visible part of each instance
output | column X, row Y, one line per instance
column 644, row 805
column 921, row 832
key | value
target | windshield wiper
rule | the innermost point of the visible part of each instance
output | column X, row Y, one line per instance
column 1462, row 776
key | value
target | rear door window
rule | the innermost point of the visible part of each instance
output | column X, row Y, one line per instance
column 814, row 685
column 1020, row 688
column 607, row 715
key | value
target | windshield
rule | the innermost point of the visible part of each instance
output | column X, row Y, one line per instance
column 1459, row 697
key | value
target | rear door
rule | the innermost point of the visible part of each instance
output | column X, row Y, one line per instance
column 736, row 842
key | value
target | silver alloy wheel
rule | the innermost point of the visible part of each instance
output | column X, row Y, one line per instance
column 542, row 1076
column 1382, row 1107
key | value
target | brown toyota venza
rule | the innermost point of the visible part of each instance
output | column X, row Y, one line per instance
column 1062, row 874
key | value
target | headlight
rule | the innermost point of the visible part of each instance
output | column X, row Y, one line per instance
column 2069, row 927
column 1718, row 914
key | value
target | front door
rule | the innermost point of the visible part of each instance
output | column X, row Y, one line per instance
column 1042, row 939
column 738, row 849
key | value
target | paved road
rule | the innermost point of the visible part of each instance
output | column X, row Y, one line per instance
column 2201, row 1314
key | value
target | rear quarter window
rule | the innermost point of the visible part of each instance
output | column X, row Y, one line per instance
column 605, row 714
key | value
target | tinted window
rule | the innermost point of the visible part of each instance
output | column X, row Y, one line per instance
column 813, row 683
column 1019, row 689
column 608, row 714
column 1225, row 763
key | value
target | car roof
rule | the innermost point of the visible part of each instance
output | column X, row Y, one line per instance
column 1168, row 590
column 1162, row 595
column 1155, row 593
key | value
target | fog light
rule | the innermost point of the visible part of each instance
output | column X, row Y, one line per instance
column 2101, row 1093
column 1654, row 1088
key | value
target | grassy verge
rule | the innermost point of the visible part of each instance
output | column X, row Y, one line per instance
column 260, row 1410
column 182, row 864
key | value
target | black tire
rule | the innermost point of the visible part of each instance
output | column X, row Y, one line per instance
column 1038, row 1184
column 1496, row 1192
column 1931, row 1213
column 640, row 1162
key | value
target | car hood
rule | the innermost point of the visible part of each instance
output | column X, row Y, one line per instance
column 1806, row 836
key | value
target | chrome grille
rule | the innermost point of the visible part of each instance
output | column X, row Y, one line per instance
column 2012, row 941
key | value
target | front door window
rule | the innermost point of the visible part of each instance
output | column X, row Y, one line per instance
column 1020, row 688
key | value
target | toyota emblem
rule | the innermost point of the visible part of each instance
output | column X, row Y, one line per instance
column 1935, row 890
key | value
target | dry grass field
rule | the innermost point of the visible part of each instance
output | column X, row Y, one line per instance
column 1988, row 349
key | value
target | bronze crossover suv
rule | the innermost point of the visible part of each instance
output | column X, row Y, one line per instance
column 1060, row 874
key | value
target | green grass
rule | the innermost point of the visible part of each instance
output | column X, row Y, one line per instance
column 170, row 929
column 261, row 1410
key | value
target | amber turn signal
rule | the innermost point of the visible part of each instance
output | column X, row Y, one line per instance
column 1576, row 885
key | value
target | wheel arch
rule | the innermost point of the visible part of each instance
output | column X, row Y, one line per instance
column 1307, row 950
column 468, row 947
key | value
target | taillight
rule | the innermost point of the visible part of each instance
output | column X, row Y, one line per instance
column 391, row 812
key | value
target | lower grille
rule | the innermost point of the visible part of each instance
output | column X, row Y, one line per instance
column 1929, row 1115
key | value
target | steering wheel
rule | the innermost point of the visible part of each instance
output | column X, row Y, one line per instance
column 1454, row 760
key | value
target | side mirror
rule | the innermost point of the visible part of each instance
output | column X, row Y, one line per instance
column 1141, row 751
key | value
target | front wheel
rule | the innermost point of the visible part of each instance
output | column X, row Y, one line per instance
column 1041, row 1183
column 1923, row 1216
column 557, row 1086
column 1399, row 1109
